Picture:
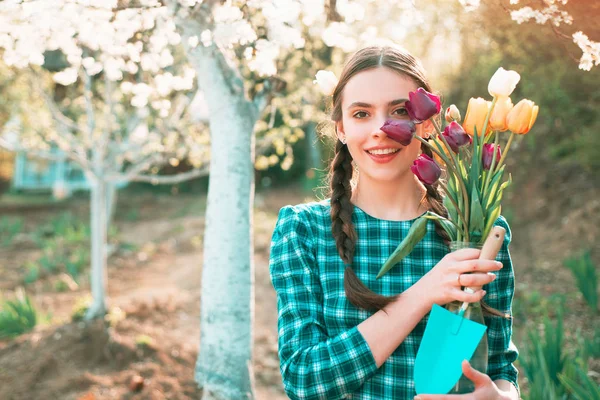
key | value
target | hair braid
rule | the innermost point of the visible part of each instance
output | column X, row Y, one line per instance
column 436, row 202
column 344, row 233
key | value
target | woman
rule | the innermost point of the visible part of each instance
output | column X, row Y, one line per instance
column 342, row 333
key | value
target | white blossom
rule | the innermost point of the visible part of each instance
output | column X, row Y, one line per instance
column 206, row 38
column 193, row 41
column 591, row 51
column 327, row 82
column 66, row 76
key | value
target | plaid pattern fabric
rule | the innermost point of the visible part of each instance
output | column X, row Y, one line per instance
column 322, row 354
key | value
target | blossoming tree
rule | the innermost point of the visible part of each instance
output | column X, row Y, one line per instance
column 125, row 109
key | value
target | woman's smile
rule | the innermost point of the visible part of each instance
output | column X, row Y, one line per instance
column 383, row 155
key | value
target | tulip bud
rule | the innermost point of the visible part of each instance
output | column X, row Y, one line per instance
column 327, row 82
column 503, row 83
column 452, row 114
column 456, row 136
column 426, row 169
column 422, row 105
column 522, row 117
column 476, row 113
column 499, row 113
column 488, row 154
column 400, row 130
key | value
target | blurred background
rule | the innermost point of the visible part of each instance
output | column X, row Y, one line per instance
column 156, row 213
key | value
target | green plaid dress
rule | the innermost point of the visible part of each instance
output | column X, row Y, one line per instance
column 322, row 354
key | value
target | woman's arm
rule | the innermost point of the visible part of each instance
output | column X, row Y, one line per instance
column 385, row 330
column 313, row 364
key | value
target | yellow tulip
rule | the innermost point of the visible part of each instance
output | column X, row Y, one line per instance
column 501, row 110
column 476, row 112
column 522, row 117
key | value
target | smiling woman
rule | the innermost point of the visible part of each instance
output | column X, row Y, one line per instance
column 342, row 332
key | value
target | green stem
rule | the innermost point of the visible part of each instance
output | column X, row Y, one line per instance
column 456, row 172
column 492, row 165
column 487, row 118
column 512, row 134
column 439, row 133
column 455, row 205
column 458, row 176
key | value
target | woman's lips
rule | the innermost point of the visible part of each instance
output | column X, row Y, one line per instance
column 383, row 158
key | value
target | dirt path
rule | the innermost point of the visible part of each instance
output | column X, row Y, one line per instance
column 157, row 288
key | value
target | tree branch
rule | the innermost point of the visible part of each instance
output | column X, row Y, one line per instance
column 172, row 179
column 87, row 95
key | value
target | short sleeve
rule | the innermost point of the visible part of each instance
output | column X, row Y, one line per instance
column 313, row 364
column 502, row 352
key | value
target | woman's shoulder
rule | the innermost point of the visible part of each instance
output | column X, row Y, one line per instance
column 311, row 212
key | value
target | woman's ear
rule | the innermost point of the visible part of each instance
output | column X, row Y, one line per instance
column 427, row 129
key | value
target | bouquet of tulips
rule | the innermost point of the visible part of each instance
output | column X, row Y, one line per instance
column 471, row 154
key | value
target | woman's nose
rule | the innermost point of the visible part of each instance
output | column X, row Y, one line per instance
column 376, row 128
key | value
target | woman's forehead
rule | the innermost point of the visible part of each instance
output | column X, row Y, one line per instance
column 377, row 86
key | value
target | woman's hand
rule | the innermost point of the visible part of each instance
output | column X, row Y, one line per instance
column 485, row 388
column 463, row 267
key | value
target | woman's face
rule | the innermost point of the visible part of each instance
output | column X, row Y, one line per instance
column 369, row 99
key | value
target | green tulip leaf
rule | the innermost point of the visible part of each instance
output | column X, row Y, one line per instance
column 449, row 226
column 490, row 195
column 476, row 222
column 416, row 232
column 493, row 216
column 452, row 212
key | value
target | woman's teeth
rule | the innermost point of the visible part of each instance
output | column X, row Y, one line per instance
column 382, row 151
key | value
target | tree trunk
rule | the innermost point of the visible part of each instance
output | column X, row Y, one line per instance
column 111, row 203
column 98, row 222
column 224, row 366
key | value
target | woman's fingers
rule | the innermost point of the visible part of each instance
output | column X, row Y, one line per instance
column 465, row 254
column 477, row 279
column 468, row 297
column 478, row 266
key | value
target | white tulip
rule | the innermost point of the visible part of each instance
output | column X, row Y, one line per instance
column 503, row 83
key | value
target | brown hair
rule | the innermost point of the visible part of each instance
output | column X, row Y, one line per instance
column 341, row 173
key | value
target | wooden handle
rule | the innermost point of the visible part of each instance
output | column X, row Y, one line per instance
column 493, row 243
column 490, row 249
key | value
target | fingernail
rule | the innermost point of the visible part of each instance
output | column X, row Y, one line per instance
column 492, row 274
column 499, row 264
column 417, row 398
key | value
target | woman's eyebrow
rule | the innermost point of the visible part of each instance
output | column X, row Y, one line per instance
column 367, row 105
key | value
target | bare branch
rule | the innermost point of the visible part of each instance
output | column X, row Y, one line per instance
column 172, row 179
column 32, row 152
column 58, row 116
column 87, row 95
column 138, row 168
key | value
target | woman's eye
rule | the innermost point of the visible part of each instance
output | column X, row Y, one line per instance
column 360, row 114
column 400, row 111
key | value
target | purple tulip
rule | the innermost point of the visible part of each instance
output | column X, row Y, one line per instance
column 426, row 169
column 456, row 136
column 488, row 153
column 400, row 130
column 422, row 105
